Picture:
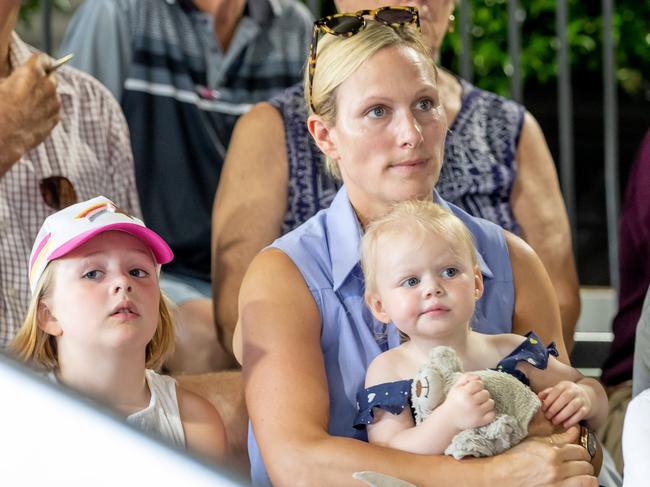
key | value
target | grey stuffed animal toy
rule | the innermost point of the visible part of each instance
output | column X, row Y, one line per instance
column 515, row 404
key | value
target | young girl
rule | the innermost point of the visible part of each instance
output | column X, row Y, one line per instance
column 98, row 323
column 423, row 276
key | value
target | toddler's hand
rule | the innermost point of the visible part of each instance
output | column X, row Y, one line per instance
column 565, row 403
column 468, row 403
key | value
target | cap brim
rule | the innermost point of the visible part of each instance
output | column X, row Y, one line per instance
column 161, row 251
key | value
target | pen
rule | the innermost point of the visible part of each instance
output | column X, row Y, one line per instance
column 58, row 63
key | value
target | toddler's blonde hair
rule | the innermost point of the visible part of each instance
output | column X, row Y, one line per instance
column 420, row 216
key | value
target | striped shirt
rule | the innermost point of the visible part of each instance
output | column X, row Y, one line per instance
column 182, row 94
column 90, row 147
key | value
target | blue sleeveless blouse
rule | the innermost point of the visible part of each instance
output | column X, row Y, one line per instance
column 326, row 251
column 478, row 171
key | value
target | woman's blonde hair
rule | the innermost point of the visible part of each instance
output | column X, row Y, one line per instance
column 339, row 57
column 421, row 216
column 37, row 347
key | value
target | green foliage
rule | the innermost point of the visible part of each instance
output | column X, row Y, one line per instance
column 631, row 33
column 30, row 6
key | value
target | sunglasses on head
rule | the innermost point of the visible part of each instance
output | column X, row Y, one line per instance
column 351, row 23
column 58, row 192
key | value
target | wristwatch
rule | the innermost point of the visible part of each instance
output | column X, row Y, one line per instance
column 588, row 441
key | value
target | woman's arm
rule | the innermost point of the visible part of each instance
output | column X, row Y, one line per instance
column 204, row 430
column 536, row 305
column 287, row 398
column 538, row 207
column 249, row 208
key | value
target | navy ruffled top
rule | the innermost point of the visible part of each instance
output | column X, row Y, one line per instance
column 395, row 396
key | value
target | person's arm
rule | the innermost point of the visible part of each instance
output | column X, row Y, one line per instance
column 29, row 110
column 536, row 307
column 287, row 398
column 225, row 391
column 99, row 37
column 204, row 430
column 249, row 208
column 635, row 228
column 467, row 405
column 538, row 206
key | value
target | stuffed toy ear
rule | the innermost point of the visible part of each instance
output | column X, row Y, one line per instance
column 445, row 360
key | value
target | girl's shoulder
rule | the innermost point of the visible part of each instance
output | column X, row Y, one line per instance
column 505, row 343
column 493, row 347
column 195, row 408
column 204, row 429
column 389, row 366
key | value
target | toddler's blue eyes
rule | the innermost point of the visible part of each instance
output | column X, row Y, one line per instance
column 450, row 272
column 411, row 282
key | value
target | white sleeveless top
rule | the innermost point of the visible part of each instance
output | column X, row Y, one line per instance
column 161, row 417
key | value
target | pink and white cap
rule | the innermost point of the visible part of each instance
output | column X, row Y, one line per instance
column 69, row 228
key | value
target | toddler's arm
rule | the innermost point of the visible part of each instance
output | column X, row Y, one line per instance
column 569, row 402
column 467, row 405
column 567, row 396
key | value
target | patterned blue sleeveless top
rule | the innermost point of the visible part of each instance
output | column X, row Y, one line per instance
column 478, row 171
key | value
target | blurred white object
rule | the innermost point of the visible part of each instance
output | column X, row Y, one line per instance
column 636, row 441
column 54, row 437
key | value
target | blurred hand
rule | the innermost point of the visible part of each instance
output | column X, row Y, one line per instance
column 546, row 461
column 468, row 403
column 565, row 403
column 29, row 109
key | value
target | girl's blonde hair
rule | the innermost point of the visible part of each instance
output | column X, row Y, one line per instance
column 33, row 345
column 339, row 57
column 422, row 216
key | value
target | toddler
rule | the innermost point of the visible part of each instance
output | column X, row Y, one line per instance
column 422, row 275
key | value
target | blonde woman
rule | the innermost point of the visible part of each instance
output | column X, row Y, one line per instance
column 306, row 335
column 496, row 166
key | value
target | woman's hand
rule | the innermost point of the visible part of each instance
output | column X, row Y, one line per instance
column 553, row 460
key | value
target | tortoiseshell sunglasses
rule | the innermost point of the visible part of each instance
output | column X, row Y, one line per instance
column 58, row 192
column 350, row 23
